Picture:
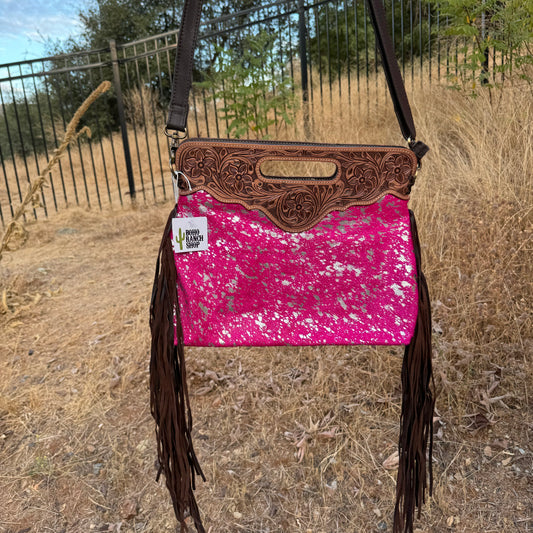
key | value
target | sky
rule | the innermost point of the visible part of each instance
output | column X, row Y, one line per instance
column 26, row 24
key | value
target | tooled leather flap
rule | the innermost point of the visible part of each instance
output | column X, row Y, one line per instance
column 229, row 171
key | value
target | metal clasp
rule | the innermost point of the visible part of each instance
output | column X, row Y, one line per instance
column 175, row 137
column 175, row 134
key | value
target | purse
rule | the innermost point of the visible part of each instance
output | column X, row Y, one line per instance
column 253, row 259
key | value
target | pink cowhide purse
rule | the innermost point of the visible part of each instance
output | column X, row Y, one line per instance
column 251, row 259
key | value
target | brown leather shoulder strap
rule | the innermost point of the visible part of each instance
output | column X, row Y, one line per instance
column 394, row 78
column 190, row 22
column 181, row 83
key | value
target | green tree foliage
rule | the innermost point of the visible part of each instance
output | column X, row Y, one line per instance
column 344, row 37
column 17, row 136
column 126, row 20
column 249, row 82
column 55, row 98
column 501, row 28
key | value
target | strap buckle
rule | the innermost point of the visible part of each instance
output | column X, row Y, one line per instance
column 176, row 135
column 418, row 147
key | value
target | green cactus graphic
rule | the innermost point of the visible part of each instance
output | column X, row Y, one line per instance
column 180, row 238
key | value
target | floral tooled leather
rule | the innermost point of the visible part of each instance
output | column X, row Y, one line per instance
column 229, row 171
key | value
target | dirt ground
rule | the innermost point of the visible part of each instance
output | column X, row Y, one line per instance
column 298, row 440
column 290, row 439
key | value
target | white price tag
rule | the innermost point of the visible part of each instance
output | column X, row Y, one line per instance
column 189, row 234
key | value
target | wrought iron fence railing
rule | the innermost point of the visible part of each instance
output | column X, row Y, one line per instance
column 326, row 47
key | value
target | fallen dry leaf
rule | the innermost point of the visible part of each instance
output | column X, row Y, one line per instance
column 478, row 421
column 392, row 461
column 331, row 434
column 500, row 443
column 128, row 509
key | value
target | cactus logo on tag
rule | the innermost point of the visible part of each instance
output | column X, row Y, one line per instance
column 189, row 234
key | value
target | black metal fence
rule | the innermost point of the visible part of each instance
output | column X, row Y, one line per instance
column 325, row 50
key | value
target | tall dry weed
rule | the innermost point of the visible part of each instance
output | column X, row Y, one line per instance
column 475, row 203
column 32, row 196
column 473, row 200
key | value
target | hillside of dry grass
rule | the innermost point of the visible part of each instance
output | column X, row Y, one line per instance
column 290, row 439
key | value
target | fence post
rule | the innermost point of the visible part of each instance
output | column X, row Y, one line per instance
column 302, row 37
column 485, row 62
column 122, row 117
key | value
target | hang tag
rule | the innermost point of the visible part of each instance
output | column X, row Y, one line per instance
column 189, row 234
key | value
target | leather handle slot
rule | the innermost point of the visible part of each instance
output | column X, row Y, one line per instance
column 298, row 169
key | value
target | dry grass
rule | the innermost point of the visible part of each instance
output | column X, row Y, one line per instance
column 291, row 439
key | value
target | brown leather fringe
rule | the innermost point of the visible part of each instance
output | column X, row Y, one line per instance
column 169, row 398
column 416, row 425
column 171, row 410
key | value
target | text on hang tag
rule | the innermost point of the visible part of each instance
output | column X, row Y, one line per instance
column 189, row 234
